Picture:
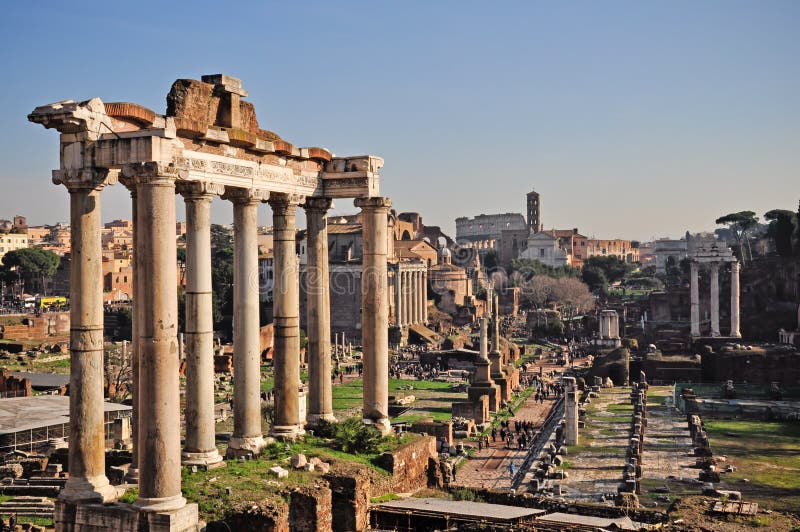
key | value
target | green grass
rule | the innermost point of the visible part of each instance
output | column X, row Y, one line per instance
column 384, row 498
column 766, row 453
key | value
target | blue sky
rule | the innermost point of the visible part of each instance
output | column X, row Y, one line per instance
column 632, row 119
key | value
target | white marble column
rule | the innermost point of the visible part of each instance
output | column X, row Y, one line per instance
column 424, row 297
column 320, row 398
column 715, row 299
column 398, row 296
column 418, row 295
column 694, row 297
column 159, row 388
column 247, row 433
column 286, row 315
column 407, row 319
column 735, row 332
column 87, row 475
column 375, row 311
column 200, row 443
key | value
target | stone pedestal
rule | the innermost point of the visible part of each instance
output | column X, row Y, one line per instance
column 286, row 312
column 320, row 395
column 200, row 447
column 121, row 517
column 247, row 434
column 87, row 480
column 375, row 311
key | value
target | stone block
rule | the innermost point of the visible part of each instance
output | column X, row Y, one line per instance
column 279, row 472
column 298, row 461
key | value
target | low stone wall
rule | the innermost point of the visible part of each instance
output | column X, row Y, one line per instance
column 408, row 464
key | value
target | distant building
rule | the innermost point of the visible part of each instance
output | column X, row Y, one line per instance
column 545, row 248
column 534, row 212
column 625, row 250
column 12, row 242
column 487, row 227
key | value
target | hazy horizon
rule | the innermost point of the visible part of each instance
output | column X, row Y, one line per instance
column 632, row 120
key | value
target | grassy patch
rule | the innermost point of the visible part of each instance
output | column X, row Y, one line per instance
column 765, row 453
column 384, row 498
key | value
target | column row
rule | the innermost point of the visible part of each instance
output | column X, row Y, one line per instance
column 694, row 300
column 411, row 297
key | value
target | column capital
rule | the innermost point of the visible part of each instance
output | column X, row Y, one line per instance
column 85, row 179
column 374, row 203
column 735, row 266
column 282, row 198
column 245, row 195
column 194, row 190
column 317, row 204
column 152, row 173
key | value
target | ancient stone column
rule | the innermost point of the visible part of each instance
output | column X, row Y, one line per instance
column 375, row 311
column 87, row 473
column 694, row 296
column 159, row 437
column 247, row 435
column 418, row 295
column 200, row 443
column 735, row 332
column 425, row 297
column 570, row 411
column 132, row 475
column 408, row 318
column 286, row 312
column 320, row 399
column 398, row 288
column 715, row 299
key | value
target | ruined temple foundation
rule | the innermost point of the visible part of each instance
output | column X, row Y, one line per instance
column 208, row 144
column 482, row 383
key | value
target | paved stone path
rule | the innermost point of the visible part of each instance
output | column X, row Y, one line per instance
column 597, row 466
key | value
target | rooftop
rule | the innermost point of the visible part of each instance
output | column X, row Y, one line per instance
column 28, row 413
column 478, row 510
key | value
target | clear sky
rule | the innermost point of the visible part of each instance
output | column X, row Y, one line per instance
column 632, row 119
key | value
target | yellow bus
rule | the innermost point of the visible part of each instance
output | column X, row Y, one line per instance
column 51, row 302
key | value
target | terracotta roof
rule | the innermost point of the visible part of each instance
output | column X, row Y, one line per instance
column 343, row 229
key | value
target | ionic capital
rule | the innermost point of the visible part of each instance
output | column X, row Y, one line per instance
column 318, row 204
column 245, row 196
column 377, row 203
column 199, row 190
column 85, row 179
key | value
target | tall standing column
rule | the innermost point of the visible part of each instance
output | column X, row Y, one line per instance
column 320, row 399
column 735, row 332
column 398, row 296
column 694, row 297
column 715, row 299
column 247, row 435
column 418, row 295
column 375, row 311
column 87, row 472
column 159, row 435
column 424, row 297
column 407, row 298
column 286, row 312
column 132, row 475
column 200, row 447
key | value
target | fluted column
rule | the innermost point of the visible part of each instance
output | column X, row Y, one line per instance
column 424, row 297
column 735, row 332
column 694, row 297
column 200, row 443
column 404, row 295
column 159, row 436
column 418, row 296
column 375, row 311
column 87, row 475
column 286, row 312
column 320, row 399
column 715, row 299
column 398, row 296
column 247, row 434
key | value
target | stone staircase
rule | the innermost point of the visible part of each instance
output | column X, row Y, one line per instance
column 28, row 506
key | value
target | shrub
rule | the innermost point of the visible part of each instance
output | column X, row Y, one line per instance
column 353, row 436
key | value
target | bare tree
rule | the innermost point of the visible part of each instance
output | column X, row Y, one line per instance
column 117, row 372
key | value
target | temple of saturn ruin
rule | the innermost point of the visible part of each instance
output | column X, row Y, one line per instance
column 207, row 144
column 713, row 255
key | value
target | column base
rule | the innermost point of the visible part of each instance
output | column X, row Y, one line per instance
column 159, row 504
column 243, row 446
column 287, row 432
column 96, row 489
column 382, row 424
column 132, row 476
column 315, row 419
column 122, row 517
column 201, row 458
